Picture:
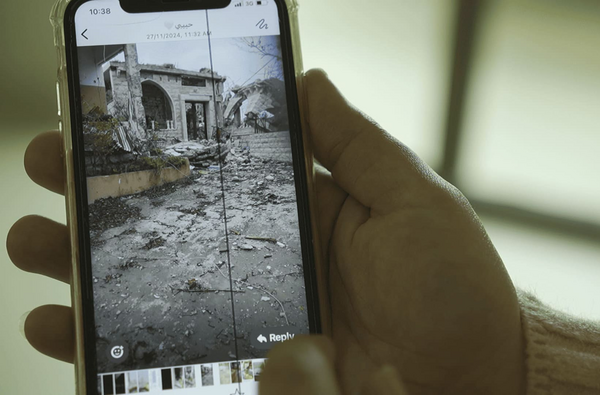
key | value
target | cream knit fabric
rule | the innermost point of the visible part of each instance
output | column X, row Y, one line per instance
column 563, row 352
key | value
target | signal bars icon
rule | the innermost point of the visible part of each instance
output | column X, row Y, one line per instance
column 249, row 3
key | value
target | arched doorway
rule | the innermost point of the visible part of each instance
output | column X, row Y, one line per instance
column 158, row 106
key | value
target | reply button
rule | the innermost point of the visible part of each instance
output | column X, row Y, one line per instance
column 268, row 337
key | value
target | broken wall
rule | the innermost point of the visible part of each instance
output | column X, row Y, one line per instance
column 274, row 146
column 93, row 91
column 176, row 95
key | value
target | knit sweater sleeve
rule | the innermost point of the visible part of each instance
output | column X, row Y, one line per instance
column 562, row 352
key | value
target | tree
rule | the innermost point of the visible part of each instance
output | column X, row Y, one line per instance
column 268, row 48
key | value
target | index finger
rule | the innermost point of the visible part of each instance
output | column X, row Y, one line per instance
column 44, row 162
column 364, row 160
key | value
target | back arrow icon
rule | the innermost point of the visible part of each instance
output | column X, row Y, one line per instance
column 83, row 34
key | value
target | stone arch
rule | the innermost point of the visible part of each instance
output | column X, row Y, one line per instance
column 158, row 105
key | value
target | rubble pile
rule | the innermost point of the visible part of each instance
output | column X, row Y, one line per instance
column 111, row 213
column 243, row 168
column 200, row 154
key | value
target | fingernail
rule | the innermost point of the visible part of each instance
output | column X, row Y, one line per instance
column 318, row 70
column 22, row 321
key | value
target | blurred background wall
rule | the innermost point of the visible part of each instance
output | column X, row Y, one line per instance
column 520, row 139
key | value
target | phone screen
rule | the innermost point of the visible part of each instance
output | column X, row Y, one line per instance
column 195, row 215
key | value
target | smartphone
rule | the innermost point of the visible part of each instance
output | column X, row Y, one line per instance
column 189, row 185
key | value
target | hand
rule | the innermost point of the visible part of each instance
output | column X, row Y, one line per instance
column 306, row 365
column 414, row 282
column 39, row 245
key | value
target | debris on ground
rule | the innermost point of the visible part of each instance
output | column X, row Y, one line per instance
column 269, row 239
column 200, row 154
column 166, row 249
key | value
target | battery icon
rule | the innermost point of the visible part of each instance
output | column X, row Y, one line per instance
column 261, row 2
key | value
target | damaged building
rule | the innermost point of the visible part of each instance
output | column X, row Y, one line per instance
column 186, row 271
column 260, row 105
column 257, row 118
column 177, row 105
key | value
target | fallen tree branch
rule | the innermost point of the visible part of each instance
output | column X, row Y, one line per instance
column 278, row 301
column 283, row 275
column 178, row 290
column 222, row 274
column 269, row 239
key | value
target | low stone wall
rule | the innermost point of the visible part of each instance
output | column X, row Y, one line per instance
column 169, row 135
column 276, row 145
column 130, row 183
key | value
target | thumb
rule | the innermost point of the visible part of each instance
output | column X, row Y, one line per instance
column 365, row 161
column 384, row 381
column 300, row 366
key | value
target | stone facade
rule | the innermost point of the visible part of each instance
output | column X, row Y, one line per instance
column 177, row 104
column 275, row 145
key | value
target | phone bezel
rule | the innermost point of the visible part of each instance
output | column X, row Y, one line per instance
column 141, row 6
column 80, row 186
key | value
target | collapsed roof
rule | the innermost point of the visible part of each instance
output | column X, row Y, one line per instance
column 262, row 96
